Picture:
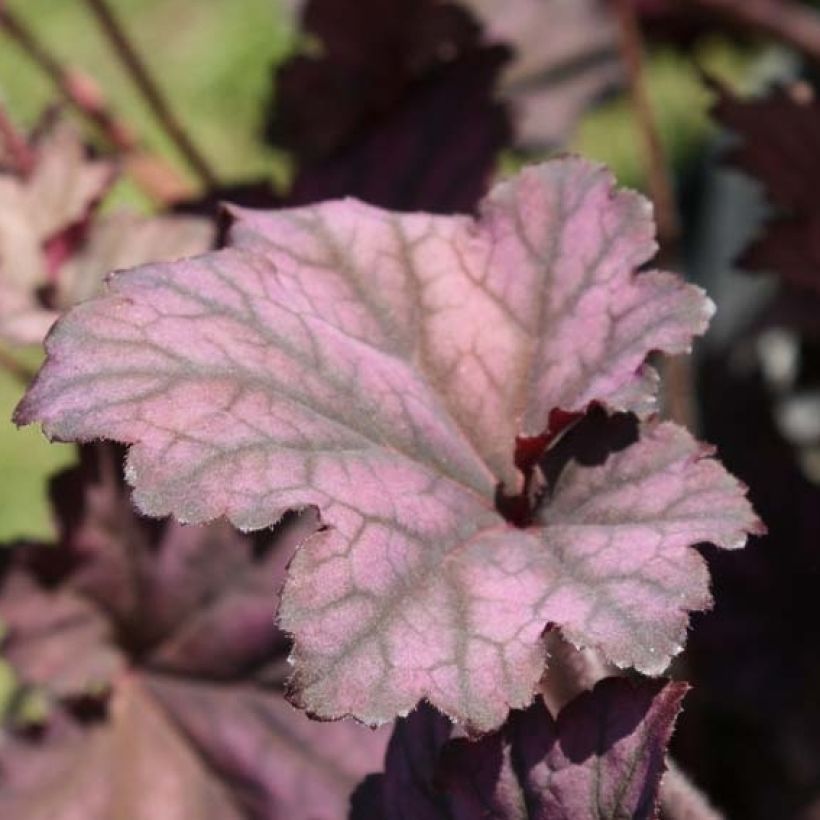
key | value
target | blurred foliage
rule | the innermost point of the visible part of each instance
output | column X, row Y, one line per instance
column 214, row 60
column 680, row 103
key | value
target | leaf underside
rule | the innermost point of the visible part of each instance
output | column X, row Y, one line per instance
column 601, row 759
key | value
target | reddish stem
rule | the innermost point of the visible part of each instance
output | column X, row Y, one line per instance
column 15, row 144
column 156, row 100
column 154, row 175
column 80, row 90
column 678, row 391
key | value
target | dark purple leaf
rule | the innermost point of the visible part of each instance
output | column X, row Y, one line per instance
column 779, row 145
column 371, row 52
column 434, row 152
column 166, row 634
column 603, row 758
column 399, row 110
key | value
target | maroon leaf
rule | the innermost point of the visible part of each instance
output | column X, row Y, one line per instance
column 410, row 785
column 372, row 52
column 399, row 110
column 779, row 139
column 602, row 758
column 435, row 151
column 167, row 633
column 338, row 356
column 565, row 57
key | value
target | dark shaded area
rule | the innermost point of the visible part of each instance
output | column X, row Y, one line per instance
column 588, row 438
column 751, row 730
column 369, row 53
column 590, row 442
column 602, row 757
column 778, row 144
column 398, row 109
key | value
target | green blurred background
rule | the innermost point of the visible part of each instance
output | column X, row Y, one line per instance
column 214, row 60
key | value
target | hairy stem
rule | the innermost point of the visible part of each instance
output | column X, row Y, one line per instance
column 142, row 78
column 16, row 147
column 678, row 379
column 154, row 175
column 787, row 21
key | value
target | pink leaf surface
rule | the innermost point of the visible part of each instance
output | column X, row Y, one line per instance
column 380, row 367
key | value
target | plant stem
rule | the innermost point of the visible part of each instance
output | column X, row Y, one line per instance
column 787, row 21
column 142, row 78
column 15, row 145
column 154, row 175
column 15, row 368
column 678, row 391
column 78, row 89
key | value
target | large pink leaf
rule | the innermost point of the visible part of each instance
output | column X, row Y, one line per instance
column 380, row 367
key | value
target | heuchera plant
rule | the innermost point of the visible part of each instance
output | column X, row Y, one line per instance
column 410, row 376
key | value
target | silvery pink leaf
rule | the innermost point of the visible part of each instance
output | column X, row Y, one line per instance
column 381, row 368
column 602, row 758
